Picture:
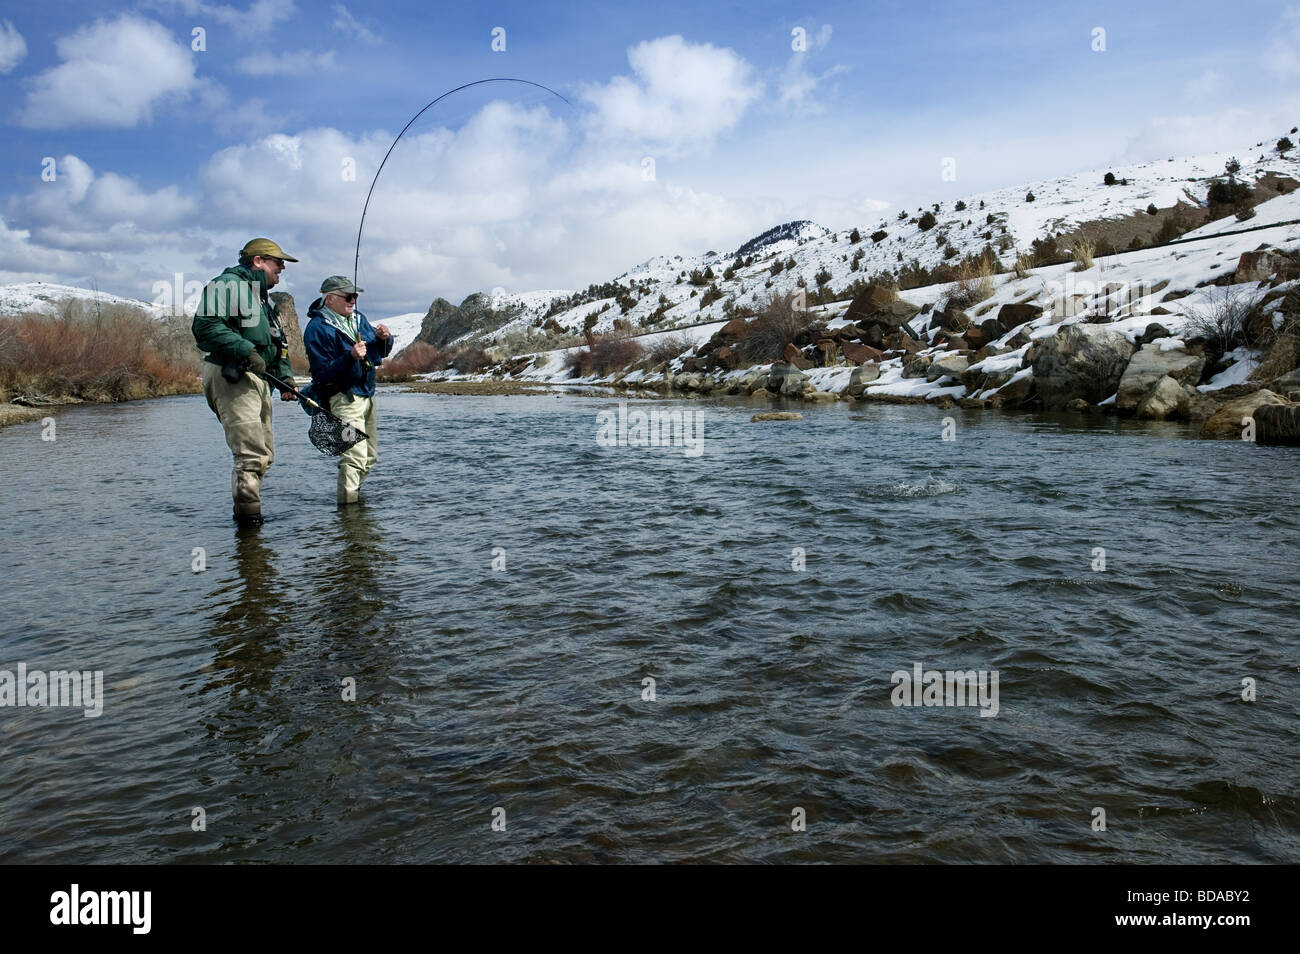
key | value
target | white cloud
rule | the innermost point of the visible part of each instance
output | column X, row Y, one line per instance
column 301, row 63
column 796, row 85
column 1282, row 58
column 256, row 20
column 682, row 97
column 345, row 22
column 12, row 47
column 1193, row 134
column 113, row 74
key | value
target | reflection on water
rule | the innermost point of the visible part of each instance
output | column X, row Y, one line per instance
column 370, row 683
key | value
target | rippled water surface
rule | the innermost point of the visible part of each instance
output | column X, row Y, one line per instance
column 522, row 689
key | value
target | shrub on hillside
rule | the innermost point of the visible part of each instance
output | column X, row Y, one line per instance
column 667, row 348
column 879, row 236
column 416, row 358
column 926, row 221
column 1285, row 144
column 1029, row 197
column 606, row 354
column 776, row 325
column 1152, row 210
column 1109, row 179
column 855, row 237
column 1231, row 318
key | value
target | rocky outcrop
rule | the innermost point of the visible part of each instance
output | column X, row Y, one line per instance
column 1227, row 422
column 444, row 322
column 1079, row 361
column 288, row 314
column 1259, row 266
column 1148, row 367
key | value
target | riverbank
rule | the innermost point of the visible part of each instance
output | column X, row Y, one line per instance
column 1150, row 335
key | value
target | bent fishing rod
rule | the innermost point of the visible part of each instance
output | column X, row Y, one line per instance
column 496, row 79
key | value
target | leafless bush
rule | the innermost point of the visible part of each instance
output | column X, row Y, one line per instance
column 100, row 353
column 606, row 354
column 416, row 358
column 775, row 326
column 668, row 347
column 1232, row 318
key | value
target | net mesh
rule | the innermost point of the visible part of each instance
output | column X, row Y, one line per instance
column 332, row 436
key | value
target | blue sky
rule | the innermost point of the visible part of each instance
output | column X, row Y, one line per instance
column 166, row 158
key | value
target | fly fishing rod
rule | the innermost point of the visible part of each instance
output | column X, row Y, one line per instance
column 496, row 79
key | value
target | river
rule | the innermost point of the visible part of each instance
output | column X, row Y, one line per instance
column 1126, row 584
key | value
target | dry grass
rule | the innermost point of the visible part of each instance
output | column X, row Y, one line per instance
column 1083, row 248
column 107, row 353
column 1025, row 262
column 974, row 284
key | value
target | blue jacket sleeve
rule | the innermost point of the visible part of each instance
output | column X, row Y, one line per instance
column 330, row 362
column 376, row 350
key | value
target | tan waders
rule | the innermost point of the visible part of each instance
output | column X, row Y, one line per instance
column 357, row 460
column 244, row 409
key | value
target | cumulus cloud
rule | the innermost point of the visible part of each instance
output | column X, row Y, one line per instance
column 12, row 47
column 681, row 97
column 113, row 74
column 300, row 63
column 1207, row 84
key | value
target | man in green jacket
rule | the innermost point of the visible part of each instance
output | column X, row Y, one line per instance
column 237, row 326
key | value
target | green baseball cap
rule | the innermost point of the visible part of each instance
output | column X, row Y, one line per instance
column 266, row 248
column 339, row 284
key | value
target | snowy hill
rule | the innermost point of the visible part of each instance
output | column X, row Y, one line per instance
column 658, row 295
column 44, row 298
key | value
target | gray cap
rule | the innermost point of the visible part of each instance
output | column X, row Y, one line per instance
column 339, row 284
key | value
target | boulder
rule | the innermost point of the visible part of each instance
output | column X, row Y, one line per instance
column 757, row 383
column 1084, row 361
column 1226, row 422
column 777, row 416
column 734, row 330
column 916, row 366
column 1013, row 393
column 859, row 354
column 861, row 377
column 827, row 353
column 1285, row 383
column 870, row 299
column 1149, row 366
column 872, row 335
column 1153, row 331
column 820, row 397
column 687, row 381
column 1167, row 398
column 1277, row 424
column 952, row 365
column 786, row 379
column 727, row 358
column 952, row 318
column 1259, row 266
column 795, row 357
column 890, row 317
column 1013, row 316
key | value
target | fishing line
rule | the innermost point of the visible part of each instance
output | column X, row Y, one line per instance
column 496, row 79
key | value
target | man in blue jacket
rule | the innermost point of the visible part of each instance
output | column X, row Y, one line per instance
column 344, row 350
